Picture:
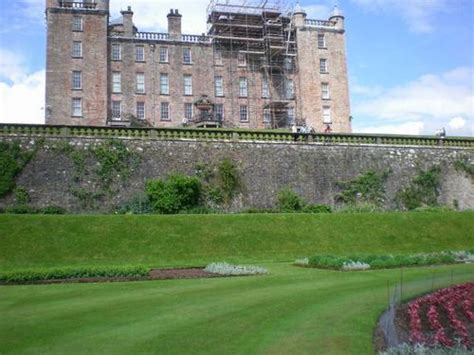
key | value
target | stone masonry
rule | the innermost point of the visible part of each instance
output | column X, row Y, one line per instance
column 96, row 103
column 312, row 170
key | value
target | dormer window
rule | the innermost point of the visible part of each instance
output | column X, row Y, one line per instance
column 77, row 24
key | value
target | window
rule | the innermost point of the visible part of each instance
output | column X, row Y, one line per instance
column 244, row 115
column 219, row 84
column 321, row 41
column 241, row 60
column 325, row 91
column 243, row 91
column 76, row 80
column 187, row 58
column 219, row 112
column 188, row 111
column 327, row 114
column 165, row 111
column 265, row 88
column 164, row 84
column 163, row 54
column 139, row 54
column 267, row 115
column 76, row 107
column 77, row 24
column 116, row 110
column 218, row 57
column 188, row 85
column 323, row 66
column 77, row 49
column 116, row 82
column 141, row 110
column 290, row 89
column 116, row 52
column 291, row 116
column 140, row 83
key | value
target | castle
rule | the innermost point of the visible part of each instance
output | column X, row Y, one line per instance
column 259, row 66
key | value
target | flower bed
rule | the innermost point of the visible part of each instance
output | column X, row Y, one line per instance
column 443, row 317
column 365, row 262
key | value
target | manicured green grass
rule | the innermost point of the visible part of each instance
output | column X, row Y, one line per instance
column 28, row 241
column 291, row 311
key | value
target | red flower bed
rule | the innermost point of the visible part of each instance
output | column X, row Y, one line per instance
column 443, row 317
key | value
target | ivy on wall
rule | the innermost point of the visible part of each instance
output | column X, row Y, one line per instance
column 105, row 165
column 368, row 188
column 423, row 190
column 12, row 161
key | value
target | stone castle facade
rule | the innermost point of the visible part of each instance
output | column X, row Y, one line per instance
column 257, row 67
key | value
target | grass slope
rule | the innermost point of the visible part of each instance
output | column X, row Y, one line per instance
column 291, row 311
column 184, row 240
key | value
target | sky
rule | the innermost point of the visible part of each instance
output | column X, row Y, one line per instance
column 411, row 62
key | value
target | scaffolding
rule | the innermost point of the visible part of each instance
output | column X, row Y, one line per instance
column 261, row 32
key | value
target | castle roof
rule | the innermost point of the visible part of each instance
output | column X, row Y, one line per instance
column 336, row 12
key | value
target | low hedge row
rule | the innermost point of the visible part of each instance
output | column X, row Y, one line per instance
column 73, row 272
column 387, row 261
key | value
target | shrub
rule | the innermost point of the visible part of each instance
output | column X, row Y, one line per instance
column 354, row 266
column 317, row 209
column 52, row 210
column 21, row 209
column 228, row 269
column 290, row 201
column 22, row 197
column 175, row 194
column 72, row 272
column 362, row 262
column 302, row 262
column 139, row 204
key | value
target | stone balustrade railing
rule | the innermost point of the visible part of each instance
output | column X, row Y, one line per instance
column 152, row 36
column 319, row 23
column 12, row 130
column 195, row 38
column 77, row 4
column 166, row 37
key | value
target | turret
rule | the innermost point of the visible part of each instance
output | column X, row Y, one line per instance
column 337, row 17
column 174, row 25
column 299, row 16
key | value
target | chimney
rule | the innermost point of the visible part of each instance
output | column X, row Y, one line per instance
column 128, row 27
column 174, row 25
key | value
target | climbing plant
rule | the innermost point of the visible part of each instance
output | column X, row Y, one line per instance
column 12, row 161
column 422, row 191
column 366, row 188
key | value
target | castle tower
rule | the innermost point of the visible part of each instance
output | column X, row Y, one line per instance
column 323, row 90
column 76, row 62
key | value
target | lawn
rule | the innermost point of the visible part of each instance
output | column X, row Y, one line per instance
column 291, row 310
column 190, row 240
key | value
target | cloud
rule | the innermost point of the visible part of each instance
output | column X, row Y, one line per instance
column 457, row 123
column 21, row 92
column 436, row 100
column 418, row 14
column 414, row 128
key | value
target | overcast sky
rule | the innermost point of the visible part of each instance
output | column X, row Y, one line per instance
column 411, row 62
